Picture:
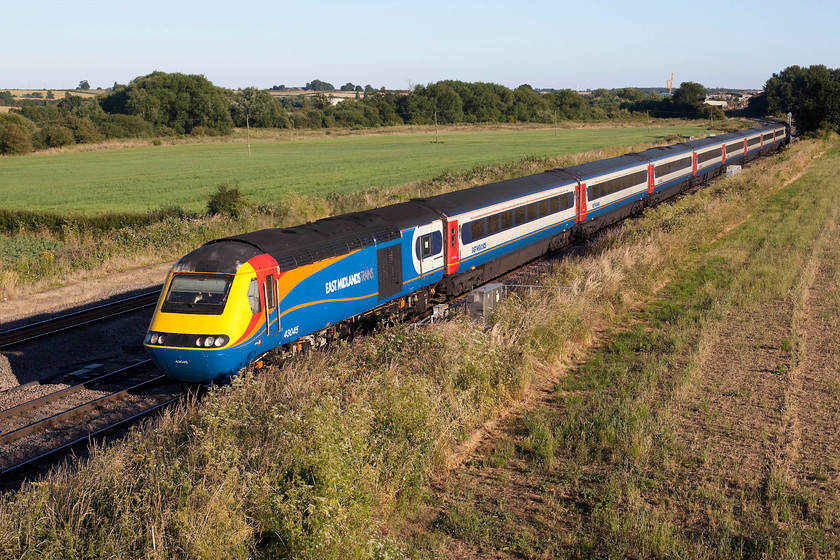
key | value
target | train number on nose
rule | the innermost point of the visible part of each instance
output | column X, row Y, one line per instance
column 290, row 332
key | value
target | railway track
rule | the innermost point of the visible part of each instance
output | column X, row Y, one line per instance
column 25, row 333
column 39, row 428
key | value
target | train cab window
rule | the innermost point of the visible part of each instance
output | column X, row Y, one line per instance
column 254, row 296
column 199, row 294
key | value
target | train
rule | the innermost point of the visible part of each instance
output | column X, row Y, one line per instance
column 233, row 301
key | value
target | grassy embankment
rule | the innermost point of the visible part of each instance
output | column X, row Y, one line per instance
column 92, row 210
column 704, row 424
column 330, row 457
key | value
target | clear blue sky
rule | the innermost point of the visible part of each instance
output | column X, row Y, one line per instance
column 55, row 44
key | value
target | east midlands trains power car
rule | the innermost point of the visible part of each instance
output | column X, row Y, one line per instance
column 233, row 300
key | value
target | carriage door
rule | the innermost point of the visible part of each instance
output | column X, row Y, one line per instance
column 651, row 178
column 269, row 292
column 452, row 248
column 581, row 202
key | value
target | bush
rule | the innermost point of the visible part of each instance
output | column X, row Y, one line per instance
column 126, row 126
column 55, row 136
column 228, row 201
column 84, row 130
column 14, row 139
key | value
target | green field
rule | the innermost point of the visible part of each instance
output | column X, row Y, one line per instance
column 140, row 179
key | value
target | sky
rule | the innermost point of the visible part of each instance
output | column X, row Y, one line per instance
column 584, row 44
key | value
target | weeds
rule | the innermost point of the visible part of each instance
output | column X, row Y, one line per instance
column 323, row 458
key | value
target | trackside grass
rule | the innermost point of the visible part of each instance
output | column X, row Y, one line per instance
column 332, row 456
column 643, row 453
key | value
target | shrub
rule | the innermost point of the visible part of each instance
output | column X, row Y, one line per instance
column 55, row 136
column 84, row 130
column 14, row 139
column 125, row 126
column 226, row 200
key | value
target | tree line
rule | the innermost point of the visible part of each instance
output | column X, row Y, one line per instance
column 169, row 104
column 811, row 95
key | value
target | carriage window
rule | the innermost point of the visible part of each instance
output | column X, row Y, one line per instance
column 492, row 224
column 477, row 228
column 533, row 211
column 520, row 215
column 507, row 219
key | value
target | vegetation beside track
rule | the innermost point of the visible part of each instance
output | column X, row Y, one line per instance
column 330, row 457
column 688, row 432
column 43, row 248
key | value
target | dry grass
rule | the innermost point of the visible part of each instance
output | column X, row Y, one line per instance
column 607, row 459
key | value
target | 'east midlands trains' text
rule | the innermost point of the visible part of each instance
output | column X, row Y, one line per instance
column 347, row 281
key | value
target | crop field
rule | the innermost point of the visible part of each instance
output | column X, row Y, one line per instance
column 147, row 178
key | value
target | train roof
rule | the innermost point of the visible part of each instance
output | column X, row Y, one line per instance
column 586, row 171
column 704, row 142
column 329, row 237
column 662, row 152
column 480, row 196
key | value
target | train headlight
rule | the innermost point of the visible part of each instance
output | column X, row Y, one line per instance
column 210, row 341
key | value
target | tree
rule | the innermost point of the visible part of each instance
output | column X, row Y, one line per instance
column 257, row 108
column 15, row 134
column 689, row 93
column 83, row 85
column 347, row 87
column 180, row 102
column 318, row 85
column 528, row 106
column 55, row 136
column 812, row 94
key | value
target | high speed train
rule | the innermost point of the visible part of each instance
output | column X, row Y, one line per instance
column 234, row 300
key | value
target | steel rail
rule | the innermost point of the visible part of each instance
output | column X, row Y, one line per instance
column 86, row 438
column 56, row 419
column 32, row 331
column 67, row 391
